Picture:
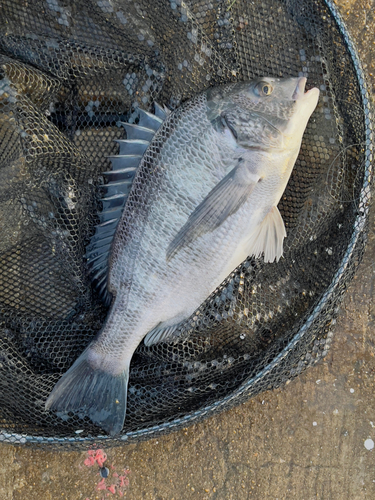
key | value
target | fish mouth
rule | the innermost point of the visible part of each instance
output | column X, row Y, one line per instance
column 304, row 105
column 299, row 92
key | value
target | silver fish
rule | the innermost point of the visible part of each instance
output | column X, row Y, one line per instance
column 204, row 198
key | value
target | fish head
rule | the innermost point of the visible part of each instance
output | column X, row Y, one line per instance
column 266, row 113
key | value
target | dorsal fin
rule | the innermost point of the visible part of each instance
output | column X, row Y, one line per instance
column 148, row 120
column 137, row 132
column 132, row 146
column 115, row 192
column 160, row 112
column 120, row 162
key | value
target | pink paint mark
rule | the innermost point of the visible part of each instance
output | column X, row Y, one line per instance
column 124, row 481
column 89, row 461
column 95, row 456
column 112, row 488
column 101, row 485
column 101, row 457
column 121, row 482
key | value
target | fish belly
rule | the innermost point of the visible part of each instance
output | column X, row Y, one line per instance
column 168, row 292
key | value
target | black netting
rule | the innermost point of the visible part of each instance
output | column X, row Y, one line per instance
column 70, row 72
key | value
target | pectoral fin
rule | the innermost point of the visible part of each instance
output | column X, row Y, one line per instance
column 223, row 201
column 268, row 237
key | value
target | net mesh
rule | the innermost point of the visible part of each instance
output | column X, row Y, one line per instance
column 70, row 72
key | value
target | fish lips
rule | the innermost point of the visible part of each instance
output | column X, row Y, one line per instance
column 304, row 105
column 300, row 94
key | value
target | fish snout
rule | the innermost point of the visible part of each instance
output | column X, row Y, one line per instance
column 299, row 92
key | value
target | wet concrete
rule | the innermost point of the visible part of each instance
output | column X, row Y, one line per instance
column 308, row 440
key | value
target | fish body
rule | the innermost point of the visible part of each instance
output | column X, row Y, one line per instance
column 204, row 198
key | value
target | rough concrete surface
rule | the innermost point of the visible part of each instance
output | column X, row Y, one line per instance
column 305, row 441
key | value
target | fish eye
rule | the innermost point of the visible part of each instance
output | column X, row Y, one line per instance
column 263, row 89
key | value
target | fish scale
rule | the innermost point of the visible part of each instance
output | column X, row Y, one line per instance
column 203, row 198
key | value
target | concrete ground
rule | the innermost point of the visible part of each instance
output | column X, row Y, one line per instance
column 312, row 439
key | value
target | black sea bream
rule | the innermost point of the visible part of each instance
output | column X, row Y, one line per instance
column 204, row 198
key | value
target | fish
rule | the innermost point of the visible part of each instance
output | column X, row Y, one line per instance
column 203, row 199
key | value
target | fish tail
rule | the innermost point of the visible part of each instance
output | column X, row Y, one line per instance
column 100, row 395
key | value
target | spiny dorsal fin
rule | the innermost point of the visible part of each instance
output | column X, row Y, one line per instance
column 160, row 112
column 149, row 120
column 132, row 146
column 115, row 192
column 131, row 161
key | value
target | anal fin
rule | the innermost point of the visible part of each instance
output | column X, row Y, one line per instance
column 162, row 334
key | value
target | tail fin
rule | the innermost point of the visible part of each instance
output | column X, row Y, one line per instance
column 101, row 396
